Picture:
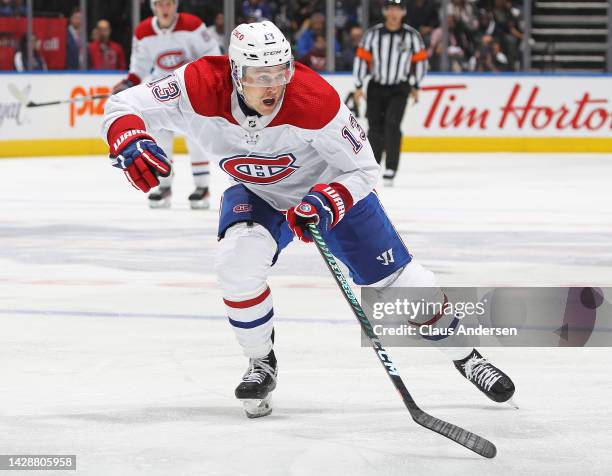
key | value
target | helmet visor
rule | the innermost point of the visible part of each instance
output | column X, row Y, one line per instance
column 267, row 76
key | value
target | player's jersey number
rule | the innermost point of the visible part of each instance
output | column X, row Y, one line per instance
column 348, row 135
column 165, row 93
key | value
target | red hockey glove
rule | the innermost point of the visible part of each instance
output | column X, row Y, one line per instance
column 325, row 205
column 141, row 159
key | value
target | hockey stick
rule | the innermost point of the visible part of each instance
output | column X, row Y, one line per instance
column 470, row 440
column 67, row 101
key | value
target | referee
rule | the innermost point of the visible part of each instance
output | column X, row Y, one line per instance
column 394, row 55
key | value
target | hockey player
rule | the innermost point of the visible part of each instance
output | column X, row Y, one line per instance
column 161, row 44
column 296, row 156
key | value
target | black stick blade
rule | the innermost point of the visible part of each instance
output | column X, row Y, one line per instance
column 473, row 442
column 39, row 104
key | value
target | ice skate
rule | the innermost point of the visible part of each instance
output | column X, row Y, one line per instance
column 488, row 379
column 199, row 199
column 257, row 385
column 388, row 178
column 160, row 197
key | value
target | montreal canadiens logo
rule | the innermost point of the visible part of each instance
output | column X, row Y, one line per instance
column 171, row 60
column 242, row 208
column 305, row 207
column 259, row 170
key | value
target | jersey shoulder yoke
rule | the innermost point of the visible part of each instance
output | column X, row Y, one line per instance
column 187, row 22
column 310, row 102
column 209, row 87
column 144, row 29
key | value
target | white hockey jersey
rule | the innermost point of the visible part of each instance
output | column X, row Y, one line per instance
column 157, row 52
column 311, row 137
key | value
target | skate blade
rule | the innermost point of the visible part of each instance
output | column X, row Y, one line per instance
column 157, row 204
column 512, row 403
column 257, row 408
column 199, row 204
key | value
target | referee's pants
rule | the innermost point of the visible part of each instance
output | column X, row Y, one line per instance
column 386, row 106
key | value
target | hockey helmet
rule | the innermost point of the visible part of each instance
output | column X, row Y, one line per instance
column 260, row 56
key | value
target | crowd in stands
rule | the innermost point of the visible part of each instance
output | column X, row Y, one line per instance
column 483, row 35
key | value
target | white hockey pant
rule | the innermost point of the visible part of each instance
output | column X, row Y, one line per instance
column 244, row 261
column 413, row 275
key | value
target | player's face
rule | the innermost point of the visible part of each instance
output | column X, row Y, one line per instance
column 263, row 87
column 165, row 11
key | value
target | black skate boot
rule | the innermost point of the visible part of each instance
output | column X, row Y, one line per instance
column 199, row 199
column 257, row 385
column 160, row 197
column 489, row 379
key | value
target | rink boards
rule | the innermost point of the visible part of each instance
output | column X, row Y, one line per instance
column 460, row 113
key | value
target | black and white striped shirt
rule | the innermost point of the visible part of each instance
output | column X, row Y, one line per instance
column 390, row 57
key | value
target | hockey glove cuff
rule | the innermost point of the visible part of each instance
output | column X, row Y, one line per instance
column 122, row 86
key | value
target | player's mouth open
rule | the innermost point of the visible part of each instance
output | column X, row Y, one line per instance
column 269, row 101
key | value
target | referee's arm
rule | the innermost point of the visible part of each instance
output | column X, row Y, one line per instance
column 362, row 65
column 417, row 67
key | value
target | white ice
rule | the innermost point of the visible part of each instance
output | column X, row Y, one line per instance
column 114, row 345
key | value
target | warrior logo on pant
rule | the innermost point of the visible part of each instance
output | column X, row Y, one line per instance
column 386, row 257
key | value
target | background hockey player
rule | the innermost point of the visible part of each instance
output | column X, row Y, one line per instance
column 297, row 156
column 161, row 44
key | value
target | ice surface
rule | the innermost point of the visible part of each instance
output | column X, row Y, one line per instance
column 114, row 345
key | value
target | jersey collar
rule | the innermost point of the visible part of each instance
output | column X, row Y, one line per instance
column 158, row 30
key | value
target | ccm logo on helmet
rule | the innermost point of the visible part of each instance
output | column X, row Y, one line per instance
column 259, row 170
column 170, row 60
column 272, row 53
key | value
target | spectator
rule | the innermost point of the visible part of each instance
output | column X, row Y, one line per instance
column 464, row 14
column 348, row 52
column 316, row 58
column 346, row 15
column 20, row 59
column 217, row 31
column 490, row 56
column 94, row 35
column 105, row 53
column 73, row 40
column 506, row 29
column 13, row 8
column 297, row 13
column 422, row 15
column 258, row 9
column 6, row 8
column 315, row 25
column 20, row 8
column 312, row 27
column 459, row 47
